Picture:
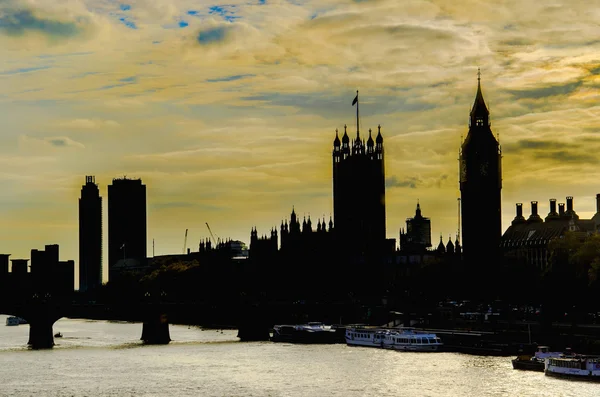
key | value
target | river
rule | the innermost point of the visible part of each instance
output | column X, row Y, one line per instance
column 101, row 358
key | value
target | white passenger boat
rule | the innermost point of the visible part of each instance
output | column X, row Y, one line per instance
column 403, row 339
column 574, row 367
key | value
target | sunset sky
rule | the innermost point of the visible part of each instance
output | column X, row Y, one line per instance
column 228, row 111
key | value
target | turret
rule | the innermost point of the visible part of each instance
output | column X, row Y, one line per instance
column 457, row 245
column 293, row 216
column 370, row 144
column 450, row 246
column 337, row 151
column 379, row 144
column 345, row 144
column 418, row 211
column 330, row 224
column 441, row 248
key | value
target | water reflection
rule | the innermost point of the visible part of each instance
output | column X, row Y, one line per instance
column 98, row 358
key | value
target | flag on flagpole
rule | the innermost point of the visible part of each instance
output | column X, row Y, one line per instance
column 355, row 100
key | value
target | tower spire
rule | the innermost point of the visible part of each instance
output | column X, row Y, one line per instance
column 479, row 112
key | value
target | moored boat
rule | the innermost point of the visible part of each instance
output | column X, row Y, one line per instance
column 313, row 332
column 579, row 367
column 13, row 320
column 535, row 362
column 403, row 339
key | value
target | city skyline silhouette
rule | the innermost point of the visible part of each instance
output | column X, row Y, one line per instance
column 236, row 138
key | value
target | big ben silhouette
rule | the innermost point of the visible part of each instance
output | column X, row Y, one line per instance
column 480, row 189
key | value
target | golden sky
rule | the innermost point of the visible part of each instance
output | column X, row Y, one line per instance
column 228, row 111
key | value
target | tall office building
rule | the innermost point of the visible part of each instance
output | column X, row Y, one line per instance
column 90, row 236
column 127, row 225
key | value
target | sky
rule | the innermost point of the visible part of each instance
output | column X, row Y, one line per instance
column 228, row 111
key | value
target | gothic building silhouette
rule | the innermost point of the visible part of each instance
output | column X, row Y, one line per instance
column 358, row 205
column 417, row 236
column 359, row 191
column 480, row 186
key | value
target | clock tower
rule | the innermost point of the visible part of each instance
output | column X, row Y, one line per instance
column 480, row 188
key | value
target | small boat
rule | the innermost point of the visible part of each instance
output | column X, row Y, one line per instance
column 537, row 361
column 577, row 366
column 58, row 335
column 313, row 332
column 12, row 320
column 403, row 339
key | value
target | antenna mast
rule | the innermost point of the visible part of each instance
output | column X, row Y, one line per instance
column 458, row 234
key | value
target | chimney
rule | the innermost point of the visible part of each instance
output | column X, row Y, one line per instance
column 552, row 214
column 561, row 209
column 519, row 218
column 598, row 202
column 534, row 217
column 569, row 204
column 553, row 207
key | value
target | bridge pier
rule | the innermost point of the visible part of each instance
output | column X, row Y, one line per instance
column 41, row 335
column 155, row 330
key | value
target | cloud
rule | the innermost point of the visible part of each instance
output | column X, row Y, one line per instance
column 543, row 92
column 24, row 70
column 213, row 35
column 410, row 182
column 528, row 144
column 229, row 78
column 567, row 156
column 59, row 142
column 89, row 124
column 20, row 19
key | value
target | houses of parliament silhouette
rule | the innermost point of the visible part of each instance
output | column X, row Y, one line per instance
column 355, row 234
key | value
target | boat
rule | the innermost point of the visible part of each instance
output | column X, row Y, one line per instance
column 312, row 332
column 13, row 320
column 537, row 361
column 581, row 367
column 58, row 335
column 403, row 339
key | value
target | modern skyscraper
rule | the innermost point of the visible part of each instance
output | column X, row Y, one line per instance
column 359, row 190
column 480, row 186
column 127, row 225
column 90, row 236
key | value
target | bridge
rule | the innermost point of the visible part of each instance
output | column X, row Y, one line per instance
column 252, row 319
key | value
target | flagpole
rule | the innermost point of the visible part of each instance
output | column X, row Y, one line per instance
column 357, row 130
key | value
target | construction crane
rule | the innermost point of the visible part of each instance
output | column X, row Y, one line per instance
column 185, row 241
column 211, row 235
